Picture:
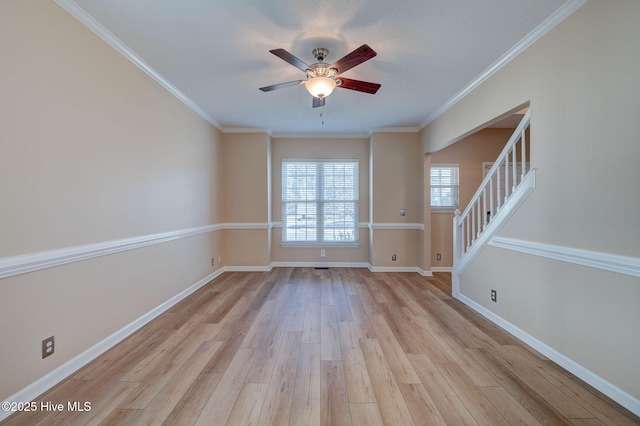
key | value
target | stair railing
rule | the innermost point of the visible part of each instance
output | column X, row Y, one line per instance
column 507, row 172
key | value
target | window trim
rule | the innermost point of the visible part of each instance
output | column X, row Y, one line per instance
column 445, row 209
column 319, row 202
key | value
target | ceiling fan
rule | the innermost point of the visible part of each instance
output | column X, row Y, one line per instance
column 322, row 78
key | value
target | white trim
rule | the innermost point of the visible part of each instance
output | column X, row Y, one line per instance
column 550, row 23
column 442, row 269
column 245, row 130
column 31, row 262
column 303, row 135
column 609, row 262
column 22, row 264
column 238, row 225
column 526, row 186
column 92, row 24
column 612, row 391
column 400, row 269
column 395, row 130
column 398, row 226
column 266, row 268
column 361, row 225
column 46, row 382
column 319, row 265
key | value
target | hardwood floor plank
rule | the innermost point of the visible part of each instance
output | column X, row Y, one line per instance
column 120, row 417
column 305, row 406
column 164, row 402
column 223, row 398
column 365, row 413
column 360, row 318
column 343, row 312
column 421, row 406
column 456, row 352
column 534, row 403
column 311, row 322
column 301, row 346
column 398, row 362
column 446, row 400
column 514, row 413
column 329, row 340
column 566, row 406
column 356, row 375
column 248, row 406
column 277, row 404
column 393, row 408
column 334, row 402
column 480, row 408
column 103, row 407
column 187, row 411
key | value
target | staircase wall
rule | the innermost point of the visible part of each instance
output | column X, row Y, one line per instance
column 581, row 82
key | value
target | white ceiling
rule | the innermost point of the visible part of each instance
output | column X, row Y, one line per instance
column 216, row 53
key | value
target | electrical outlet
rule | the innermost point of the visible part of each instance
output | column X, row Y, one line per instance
column 403, row 212
column 213, row 262
column 494, row 295
column 48, row 347
column 438, row 256
column 393, row 257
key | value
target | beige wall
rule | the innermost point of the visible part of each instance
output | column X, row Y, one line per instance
column 327, row 148
column 92, row 150
column 582, row 82
column 397, row 183
column 469, row 154
column 246, row 199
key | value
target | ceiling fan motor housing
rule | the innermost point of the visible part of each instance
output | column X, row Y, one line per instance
column 320, row 53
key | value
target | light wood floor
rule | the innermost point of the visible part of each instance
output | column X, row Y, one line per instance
column 341, row 346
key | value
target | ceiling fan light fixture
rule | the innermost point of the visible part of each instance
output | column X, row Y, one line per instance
column 320, row 87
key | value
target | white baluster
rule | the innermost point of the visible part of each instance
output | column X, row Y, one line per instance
column 506, row 177
column 514, row 167
column 524, row 154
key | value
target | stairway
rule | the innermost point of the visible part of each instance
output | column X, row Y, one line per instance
column 505, row 187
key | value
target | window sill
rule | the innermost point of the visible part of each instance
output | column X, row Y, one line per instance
column 311, row 244
column 444, row 209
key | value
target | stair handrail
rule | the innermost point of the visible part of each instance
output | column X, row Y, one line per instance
column 515, row 137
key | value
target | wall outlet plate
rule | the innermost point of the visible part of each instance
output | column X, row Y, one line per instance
column 48, row 347
column 494, row 295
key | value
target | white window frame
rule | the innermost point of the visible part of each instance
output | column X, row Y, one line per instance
column 320, row 201
column 445, row 208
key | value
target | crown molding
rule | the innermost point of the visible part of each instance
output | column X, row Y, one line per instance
column 245, row 130
column 320, row 135
column 97, row 28
column 396, row 130
column 537, row 33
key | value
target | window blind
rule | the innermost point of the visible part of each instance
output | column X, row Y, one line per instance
column 320, row 201
column 444, row 186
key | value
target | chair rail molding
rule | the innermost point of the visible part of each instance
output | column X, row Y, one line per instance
column 607, row 261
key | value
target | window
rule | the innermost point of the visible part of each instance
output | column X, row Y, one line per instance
column 320, row 202
column 444, row 186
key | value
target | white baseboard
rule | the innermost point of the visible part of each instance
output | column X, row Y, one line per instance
column 37, row 388
column 319, row 264
column 400, row 269
column 442, row 269
column 613, row 392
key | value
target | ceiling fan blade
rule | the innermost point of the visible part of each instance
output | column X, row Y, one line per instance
column 358, row 56
column 281, row 85
column 360, row 86
column 317, row 102
column 288, row 57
